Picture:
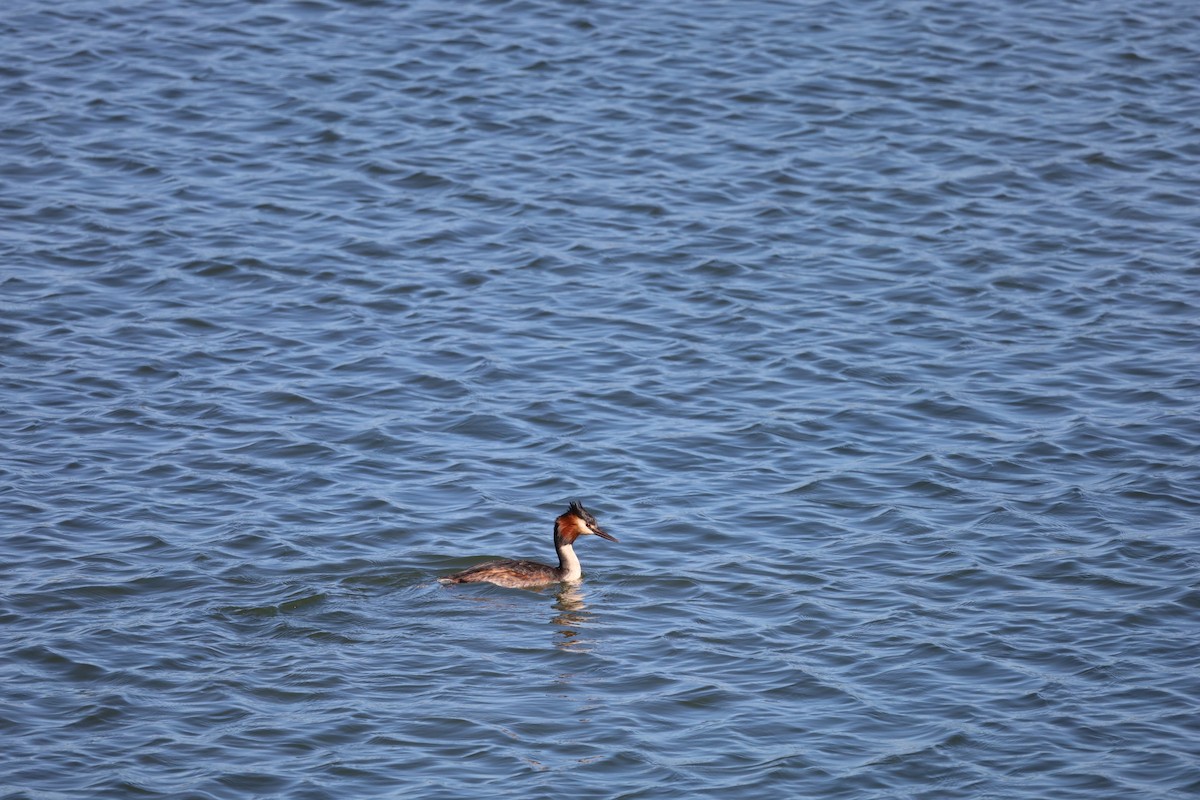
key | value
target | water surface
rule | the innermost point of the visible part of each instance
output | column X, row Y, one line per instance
column 870, row 329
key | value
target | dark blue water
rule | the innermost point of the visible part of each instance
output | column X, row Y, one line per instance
column 870, row 329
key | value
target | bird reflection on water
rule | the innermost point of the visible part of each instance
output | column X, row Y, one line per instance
column 569, row 602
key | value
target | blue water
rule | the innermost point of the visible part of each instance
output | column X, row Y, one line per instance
column 870, row 330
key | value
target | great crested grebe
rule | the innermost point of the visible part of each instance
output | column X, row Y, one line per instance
column 568, row 527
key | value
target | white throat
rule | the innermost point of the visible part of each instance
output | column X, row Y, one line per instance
column 568, row 562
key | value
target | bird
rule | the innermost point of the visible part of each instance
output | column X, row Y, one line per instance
column 576, row 521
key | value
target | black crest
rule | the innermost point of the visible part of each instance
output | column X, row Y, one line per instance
column 578, row 510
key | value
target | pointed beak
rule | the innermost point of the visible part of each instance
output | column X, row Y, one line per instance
column 604, row 534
